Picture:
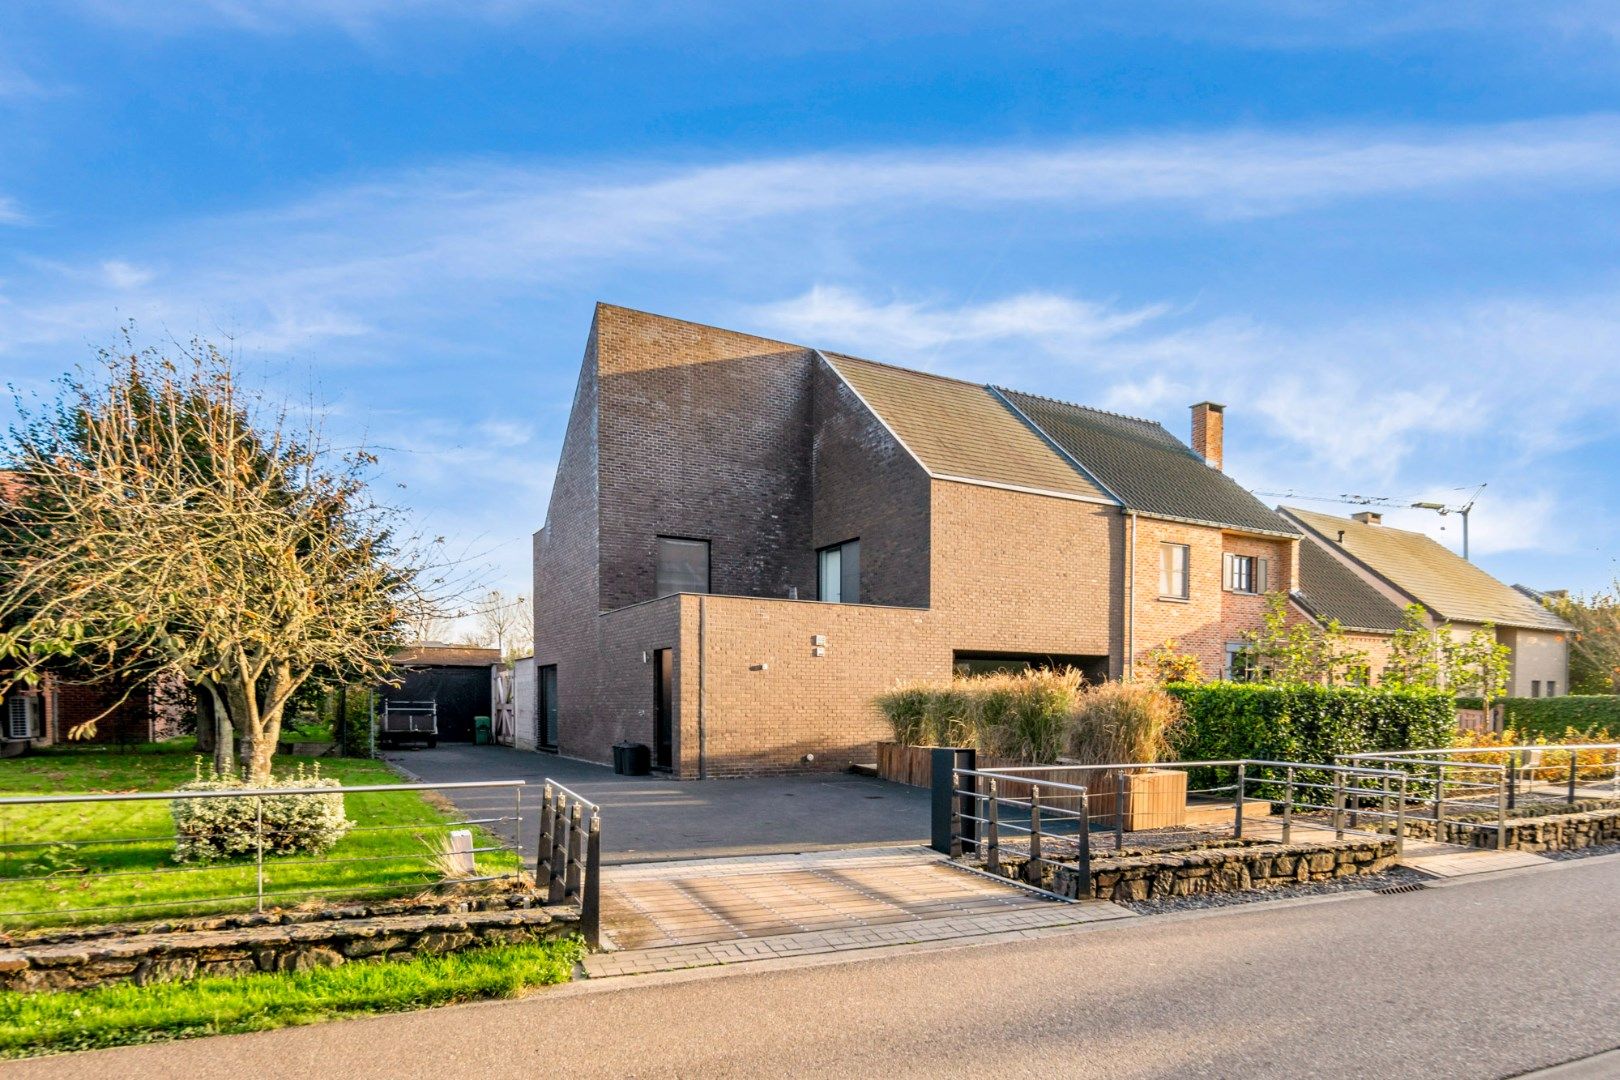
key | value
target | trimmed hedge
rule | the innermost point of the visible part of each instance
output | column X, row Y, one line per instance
column 1553, row 716
column 1308, row 723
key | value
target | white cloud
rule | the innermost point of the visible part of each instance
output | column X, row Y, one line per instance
column 11, row 213
column 123, row 275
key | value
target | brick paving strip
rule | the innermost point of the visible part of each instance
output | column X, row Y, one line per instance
column 670, row 916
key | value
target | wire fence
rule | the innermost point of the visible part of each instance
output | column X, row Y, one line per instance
column 67, row 859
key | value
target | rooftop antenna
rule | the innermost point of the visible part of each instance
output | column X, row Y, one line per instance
column 1443, row 509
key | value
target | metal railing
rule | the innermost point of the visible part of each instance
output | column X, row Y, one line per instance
column 568, row 863
column 1480, row 787
column 1041, row 813
column 61, row 859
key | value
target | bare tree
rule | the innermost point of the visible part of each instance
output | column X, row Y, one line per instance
column 167, row 524
column 505, row 623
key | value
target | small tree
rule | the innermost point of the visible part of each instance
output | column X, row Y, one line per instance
column 1477, row 665
column 1594, row 647
column 1416, row 658
column 168, row 525
column 1166, row 663
column 505, row 623
column 1290, row 650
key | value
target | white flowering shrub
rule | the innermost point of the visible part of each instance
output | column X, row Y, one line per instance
column 224, row 828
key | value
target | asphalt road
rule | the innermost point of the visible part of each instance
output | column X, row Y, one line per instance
column 1488, row 978
column 651, row 818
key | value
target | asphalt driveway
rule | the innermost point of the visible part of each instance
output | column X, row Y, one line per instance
column 649, row 818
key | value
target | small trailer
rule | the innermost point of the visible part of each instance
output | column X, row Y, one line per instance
column 409, row 721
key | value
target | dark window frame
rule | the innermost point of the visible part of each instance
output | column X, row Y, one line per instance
column 658, row 563
column 849, row 571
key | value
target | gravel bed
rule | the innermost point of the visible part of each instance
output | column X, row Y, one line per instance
column 1397, row 875
column 1583, row 853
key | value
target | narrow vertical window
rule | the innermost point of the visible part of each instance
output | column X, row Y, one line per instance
column 683, row 565
column 838, row 573
column 1173, row 563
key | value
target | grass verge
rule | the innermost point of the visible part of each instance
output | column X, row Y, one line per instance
column 53, row 1022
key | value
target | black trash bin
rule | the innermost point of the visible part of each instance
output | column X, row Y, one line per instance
column 632, row 759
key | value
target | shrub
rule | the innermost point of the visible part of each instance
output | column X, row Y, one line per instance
column 1555, row 715
column 1554, row 766
column 1025, row 716
column 1307, row 722
column 1119, row 722
column 222, row 828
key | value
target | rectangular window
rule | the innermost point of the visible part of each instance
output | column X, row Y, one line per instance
column 838, row 573
column 1245, row 573
column 1552, row 688
column 1173, row 563
column 683, row 565
column 23, row 719
column 1535, row 687
column 1240, row 663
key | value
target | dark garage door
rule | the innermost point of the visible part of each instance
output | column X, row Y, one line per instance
column 462, row 693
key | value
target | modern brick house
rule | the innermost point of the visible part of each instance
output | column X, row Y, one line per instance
column 1364, row 573
column 748, row 540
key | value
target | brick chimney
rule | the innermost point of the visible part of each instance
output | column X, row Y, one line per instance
column 1208, row 422
column 1368, row 517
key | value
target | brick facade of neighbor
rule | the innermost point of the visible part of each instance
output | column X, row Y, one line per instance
column 765, row 450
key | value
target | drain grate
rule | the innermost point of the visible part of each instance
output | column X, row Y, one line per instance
column 1411, row 886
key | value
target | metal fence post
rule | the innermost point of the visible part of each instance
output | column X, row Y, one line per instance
column 1237, row 803
column 258, row 862
column 1119, row 811
column 1400, row 819
column 1082, row 866
column 1440, row 803
column 1513, row 763
column 1338, row 805
column 1501, row 816
column 1574, row 768
column 1288, row 807
column 590, row 903
column 950, row 811
column 992, row 861
column 1032, row 867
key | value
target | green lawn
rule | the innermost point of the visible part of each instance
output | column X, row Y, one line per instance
column 43, row 1023
column 114, row 861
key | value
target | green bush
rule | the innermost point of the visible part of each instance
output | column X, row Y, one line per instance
column 222, row 828
column 1554, row 716
column 1305, row 723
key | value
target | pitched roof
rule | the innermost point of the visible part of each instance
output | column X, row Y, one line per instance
column 1331, row 591
column 960, row 429
column 1451, row 587
column 1146, row 467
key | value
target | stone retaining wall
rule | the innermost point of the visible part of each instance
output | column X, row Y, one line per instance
column 1153, row 875
column 1545, row 832
column 281, row 942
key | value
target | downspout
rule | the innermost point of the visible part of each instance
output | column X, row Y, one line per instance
column 703, row 652
column 1129, row 674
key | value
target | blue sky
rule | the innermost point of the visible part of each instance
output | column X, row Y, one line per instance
column 1385, row 235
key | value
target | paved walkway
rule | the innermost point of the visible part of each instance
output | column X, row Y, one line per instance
column 691, row 914
column 655, row 819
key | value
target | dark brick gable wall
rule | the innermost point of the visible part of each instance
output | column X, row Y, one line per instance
column 704, row 433
column 565, row 567
column 867, row 486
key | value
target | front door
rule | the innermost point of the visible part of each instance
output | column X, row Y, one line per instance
column 663, row 709
column 548, row 706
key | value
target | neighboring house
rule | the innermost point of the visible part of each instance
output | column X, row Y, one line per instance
column 749, row 540
column 1364, row 573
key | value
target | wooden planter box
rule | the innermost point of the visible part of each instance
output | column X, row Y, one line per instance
column 1154, row 798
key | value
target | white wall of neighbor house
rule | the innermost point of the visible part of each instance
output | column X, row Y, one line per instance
column 1539, row 666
